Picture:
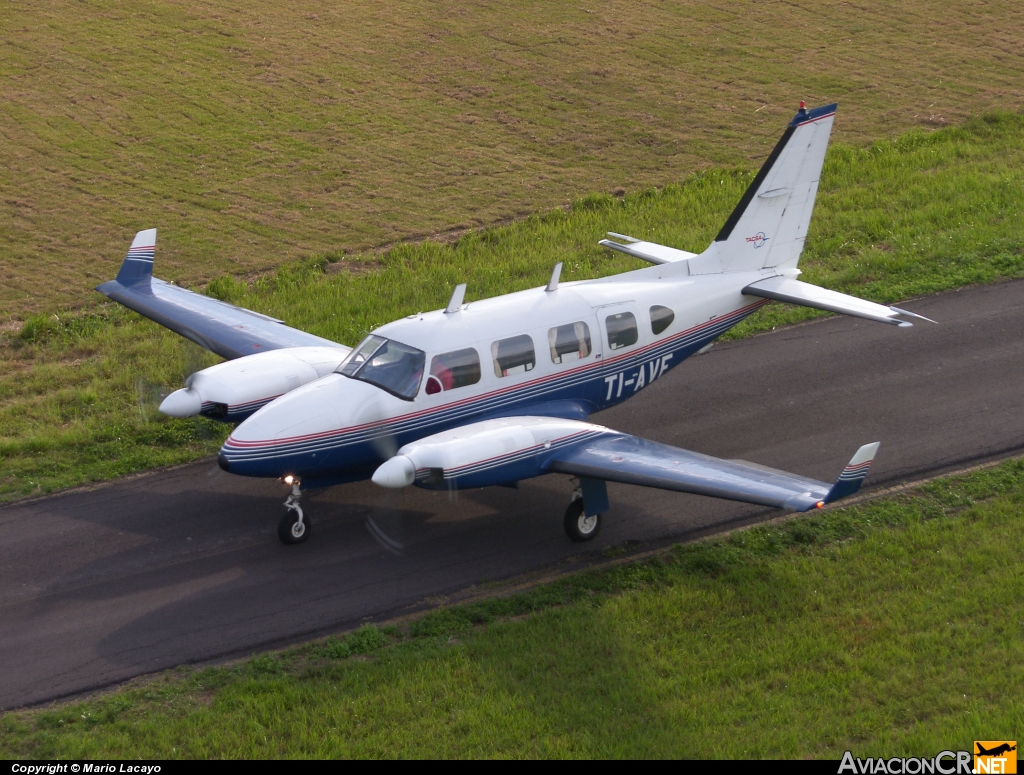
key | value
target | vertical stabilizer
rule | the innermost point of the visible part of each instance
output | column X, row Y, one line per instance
column 138, row 264
column 769, row 225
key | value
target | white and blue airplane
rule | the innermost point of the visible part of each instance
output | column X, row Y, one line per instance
column 500, row 390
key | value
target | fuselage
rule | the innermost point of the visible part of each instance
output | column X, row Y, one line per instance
column 565, row 353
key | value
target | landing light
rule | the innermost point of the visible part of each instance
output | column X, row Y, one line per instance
column 289, row 479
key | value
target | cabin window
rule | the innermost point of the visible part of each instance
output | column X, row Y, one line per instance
column 513, row 356
column 661, row 318
column 569, row 342
column 391, row 365
column 453, row 370
column 621, row 330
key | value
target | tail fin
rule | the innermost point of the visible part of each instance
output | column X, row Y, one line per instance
column 768, row 226
column 852, row 477
column 138, row 264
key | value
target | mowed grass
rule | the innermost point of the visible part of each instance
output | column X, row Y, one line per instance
column 920, row 214
column 890, row 628
column 255, row 134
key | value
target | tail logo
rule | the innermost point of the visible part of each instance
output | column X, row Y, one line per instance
column 758, row 239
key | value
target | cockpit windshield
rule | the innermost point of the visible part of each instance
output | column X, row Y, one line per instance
column 387, row 364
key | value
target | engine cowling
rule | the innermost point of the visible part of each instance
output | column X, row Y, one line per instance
column 485, row 453
column 233, row 390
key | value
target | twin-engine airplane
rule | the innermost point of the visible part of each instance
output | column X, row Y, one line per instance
column 500, row 390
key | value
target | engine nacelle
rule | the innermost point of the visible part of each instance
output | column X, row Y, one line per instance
column 233, row 390
column 485, row 453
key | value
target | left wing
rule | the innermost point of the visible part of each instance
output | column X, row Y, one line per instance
column 229, row 331
column 633, row 460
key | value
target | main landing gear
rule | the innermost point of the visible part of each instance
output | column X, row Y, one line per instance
column 293, row 527
column 578, row 526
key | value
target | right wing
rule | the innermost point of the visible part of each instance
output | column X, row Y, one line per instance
column 632, row 460
column 221, row 328
column 508, row 449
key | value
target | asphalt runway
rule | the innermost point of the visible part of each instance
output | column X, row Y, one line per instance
column 184, row 566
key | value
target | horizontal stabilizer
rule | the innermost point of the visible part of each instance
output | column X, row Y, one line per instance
column 807, row 295
column 646, row 251
column 221, row 328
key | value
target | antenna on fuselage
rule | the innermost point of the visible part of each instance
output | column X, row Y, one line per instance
column 455, row 303
column 555, row 274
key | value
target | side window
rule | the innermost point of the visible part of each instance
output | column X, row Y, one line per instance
column 513, row 356
column 621, row 330
column 570, row 342
column 661, row 318
column 453, row 370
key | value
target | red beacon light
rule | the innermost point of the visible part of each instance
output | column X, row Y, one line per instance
column 803, row 105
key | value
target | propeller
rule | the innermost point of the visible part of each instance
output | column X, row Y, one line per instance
column 195, row 358
column 386, row 519
column 149, row 394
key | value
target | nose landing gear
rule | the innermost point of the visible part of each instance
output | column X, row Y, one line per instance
column 293, row 527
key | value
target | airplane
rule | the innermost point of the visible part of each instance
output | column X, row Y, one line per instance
column 500, row 390
column 999, row 749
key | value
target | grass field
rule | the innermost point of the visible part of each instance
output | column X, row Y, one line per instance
column 924, row 213
column 255, row 134
column 890, row 628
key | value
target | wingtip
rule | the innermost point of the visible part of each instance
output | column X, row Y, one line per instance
column 912, row 314
column 865, row 454
column 623, row 237
column 138, row 263
column 853, row 475
column 144, row 239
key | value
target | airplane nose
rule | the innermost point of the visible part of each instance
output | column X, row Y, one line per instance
column 301, row 433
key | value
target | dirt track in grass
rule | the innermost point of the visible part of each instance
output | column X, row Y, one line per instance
column 253, row 134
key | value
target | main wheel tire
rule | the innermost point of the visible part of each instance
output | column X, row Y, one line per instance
column 579, row 527
column 290, row 530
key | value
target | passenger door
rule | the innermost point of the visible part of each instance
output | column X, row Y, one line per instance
column 621, row 334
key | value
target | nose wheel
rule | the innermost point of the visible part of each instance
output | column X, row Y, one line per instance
column 294, row 526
